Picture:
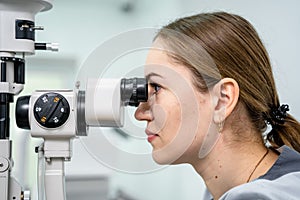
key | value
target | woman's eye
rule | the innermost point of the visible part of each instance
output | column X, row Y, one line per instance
column 155, row 86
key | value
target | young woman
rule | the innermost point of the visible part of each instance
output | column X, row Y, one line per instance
column 213, row 104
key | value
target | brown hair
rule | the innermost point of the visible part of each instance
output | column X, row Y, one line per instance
column 236, row 51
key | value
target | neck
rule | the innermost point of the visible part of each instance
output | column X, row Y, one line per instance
column 227, row 166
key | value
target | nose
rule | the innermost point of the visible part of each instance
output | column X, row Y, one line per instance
column 143, row 112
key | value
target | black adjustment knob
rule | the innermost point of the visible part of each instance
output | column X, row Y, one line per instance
column 51, row 110
column 22, row 111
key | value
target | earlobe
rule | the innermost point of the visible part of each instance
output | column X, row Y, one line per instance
column 226, row 95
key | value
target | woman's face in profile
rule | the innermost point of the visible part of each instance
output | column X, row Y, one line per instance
column 177, row 114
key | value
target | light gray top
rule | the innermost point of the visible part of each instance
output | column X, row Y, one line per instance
column 282, row 181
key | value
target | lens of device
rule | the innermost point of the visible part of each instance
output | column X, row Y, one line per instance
column 134, row 91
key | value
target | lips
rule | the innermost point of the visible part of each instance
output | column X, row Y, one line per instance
column 151, row 136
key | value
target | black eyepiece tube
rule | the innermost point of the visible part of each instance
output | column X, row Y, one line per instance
column 134, row 91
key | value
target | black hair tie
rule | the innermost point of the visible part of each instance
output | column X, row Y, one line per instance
column 278, row 115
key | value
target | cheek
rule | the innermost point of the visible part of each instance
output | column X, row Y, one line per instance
column 205, row 117
column 204, row 130
column 179, row 132
column 167, row 116
column 160, row 116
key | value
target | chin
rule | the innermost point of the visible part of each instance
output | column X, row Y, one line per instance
column 166, row 159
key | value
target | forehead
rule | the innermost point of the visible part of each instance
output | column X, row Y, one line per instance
column 157, row 54
column 159, row 62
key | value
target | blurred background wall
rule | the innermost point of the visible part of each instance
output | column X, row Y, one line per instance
column 80, row 27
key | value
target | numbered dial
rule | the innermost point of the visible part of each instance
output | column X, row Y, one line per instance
column 51, row 110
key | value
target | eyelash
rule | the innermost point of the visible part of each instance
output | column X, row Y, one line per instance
column 155, row 86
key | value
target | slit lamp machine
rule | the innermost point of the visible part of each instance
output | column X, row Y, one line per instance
column 57, row 116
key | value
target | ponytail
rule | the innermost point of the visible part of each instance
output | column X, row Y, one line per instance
column 285, row 129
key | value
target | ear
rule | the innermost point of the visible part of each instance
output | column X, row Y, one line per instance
column 225, row 97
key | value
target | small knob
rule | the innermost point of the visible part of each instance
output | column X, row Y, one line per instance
column 4, row 164
column 39, row 28
column 46, row 46
column 52, row 46
column 26, row 195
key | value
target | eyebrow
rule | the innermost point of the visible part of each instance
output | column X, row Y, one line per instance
column 153, row 74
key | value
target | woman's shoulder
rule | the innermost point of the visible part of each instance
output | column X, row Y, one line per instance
column 280, row 182
column 287, row 162
column 285, row 187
